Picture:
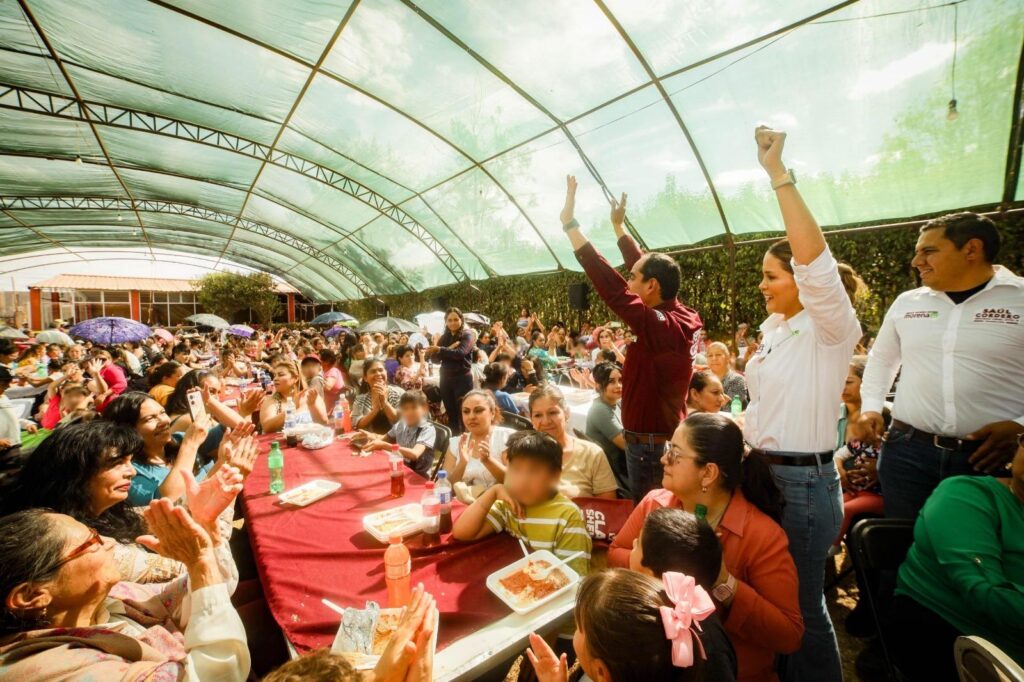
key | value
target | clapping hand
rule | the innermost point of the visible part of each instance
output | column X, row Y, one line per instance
column 569, row 209
column 174, row 533
column 207, row 500
column 238, row 448
column 409, row 656
column 250, row 402
column 547, row 666
column 197, row 431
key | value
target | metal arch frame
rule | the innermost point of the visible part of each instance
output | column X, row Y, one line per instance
column 287, row 55
column 23, row 203
column 74, row 90
column 142, row 259
column 39, row 234
column 217, row 183
column 639, row 56
column 500, row 75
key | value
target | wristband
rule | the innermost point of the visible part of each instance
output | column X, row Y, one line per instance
column 570, row 225
column 787, row 178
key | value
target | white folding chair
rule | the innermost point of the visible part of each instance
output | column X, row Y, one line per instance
column 978, row 660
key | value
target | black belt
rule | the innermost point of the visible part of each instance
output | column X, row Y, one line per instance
column 810, row 459
column 646, row 438
column 942, row 442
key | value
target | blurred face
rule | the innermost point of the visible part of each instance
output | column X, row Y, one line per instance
column 310, row 370
column 72, row 401
column 153, row 425
column 376, row 374
column 88, row 577
column 711, row 399
column 851, row 389
column 111, row 485
column 485, row 338
column 548, row 416
column 53, row 353
column 477, row 415
column 453, row 322
column 529, row 481
column 613, row 392
column 778, row 288
column 718, row 360
column 72, row 372
column 682, row 474
column 412, row 414
column 605, row 340
column 76, row 353
column 284, row 380
column 939, row 263
column 406, row 359
column 620, row 334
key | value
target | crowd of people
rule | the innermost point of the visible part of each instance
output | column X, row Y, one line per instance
column 744, row 462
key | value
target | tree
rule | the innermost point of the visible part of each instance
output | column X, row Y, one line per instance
column 227, row 293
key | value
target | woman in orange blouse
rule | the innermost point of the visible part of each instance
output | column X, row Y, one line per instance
column 756, row 590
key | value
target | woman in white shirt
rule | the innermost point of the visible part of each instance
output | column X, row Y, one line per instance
column 474, row 461
column 794, row 379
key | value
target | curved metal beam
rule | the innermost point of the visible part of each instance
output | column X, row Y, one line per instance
column 27, row 203
column 675, row 112
column 17, row 98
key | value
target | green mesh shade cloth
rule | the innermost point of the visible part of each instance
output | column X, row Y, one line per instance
column 372, row 147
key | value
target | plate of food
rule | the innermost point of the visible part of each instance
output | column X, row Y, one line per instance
column 405, row 521
column 517, row 584
column 363, row 650
column 308, row 492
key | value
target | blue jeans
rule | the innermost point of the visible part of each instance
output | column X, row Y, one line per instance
column 643, row 466
column 909, row 470
column 812, row 518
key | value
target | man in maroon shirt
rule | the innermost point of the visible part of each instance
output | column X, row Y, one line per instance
column 656, row 374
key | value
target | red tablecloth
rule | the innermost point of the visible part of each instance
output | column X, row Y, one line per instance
column 321, row 550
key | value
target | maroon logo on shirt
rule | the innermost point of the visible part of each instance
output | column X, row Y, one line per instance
column 998, row 315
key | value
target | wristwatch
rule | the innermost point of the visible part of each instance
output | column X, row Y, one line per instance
column 726, row 591
column 787, row 178
column 571, row 224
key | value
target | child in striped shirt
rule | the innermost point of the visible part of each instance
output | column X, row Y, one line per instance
column 528, row 505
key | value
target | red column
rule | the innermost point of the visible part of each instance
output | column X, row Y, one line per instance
column 136, row 307
column 291, row 308
column 54, row 305
column 35, row 309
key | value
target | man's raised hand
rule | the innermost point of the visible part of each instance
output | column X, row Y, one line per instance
column 569, row 209
column 618, row 215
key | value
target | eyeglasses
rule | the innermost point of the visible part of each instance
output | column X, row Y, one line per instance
column 84, row 548
column 676, row 457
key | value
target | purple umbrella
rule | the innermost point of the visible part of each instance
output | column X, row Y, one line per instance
column 334, row 331
column 240, row 330
column 107, row 330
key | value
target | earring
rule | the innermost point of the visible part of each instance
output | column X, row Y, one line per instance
column 703, row 488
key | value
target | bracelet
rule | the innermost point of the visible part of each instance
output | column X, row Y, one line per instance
column 570, row 225
column 787, row 178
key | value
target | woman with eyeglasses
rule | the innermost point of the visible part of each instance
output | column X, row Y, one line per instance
column 706, row 474
column 65, row 614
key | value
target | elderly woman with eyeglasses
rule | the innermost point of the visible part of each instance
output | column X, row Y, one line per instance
column 66, row 615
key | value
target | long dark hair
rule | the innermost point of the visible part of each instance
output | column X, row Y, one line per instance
column 716, row 438
column 58, row 472
column 618, row 612
column 32, row 552
column 163, row 371
column 125, row 410
column 177, row 403
column 368, row 363
column 448, row 337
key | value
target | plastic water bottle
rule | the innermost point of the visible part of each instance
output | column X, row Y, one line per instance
column 338, row 419
column 736, row 409
column 398, row 573
column 430, row 504
column 275, row 463
column 396, row 472
column 444, row 493
column 289, row 415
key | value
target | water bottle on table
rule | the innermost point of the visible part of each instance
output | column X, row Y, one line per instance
column 338, row 419
column 396, row 471
column 275, row 463
column 430, row 505
column 398, row 573
column 443, row 488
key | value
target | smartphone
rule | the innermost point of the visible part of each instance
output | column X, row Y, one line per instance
column 196, row 407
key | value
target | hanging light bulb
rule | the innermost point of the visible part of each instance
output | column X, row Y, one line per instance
column 953, row 113
column 78, row 160
column 120, row 218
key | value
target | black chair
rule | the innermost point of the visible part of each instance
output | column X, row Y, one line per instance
column 879, row 547
column 516, row 422
column 443, row 436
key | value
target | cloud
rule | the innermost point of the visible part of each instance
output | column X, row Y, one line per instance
column 876, row 81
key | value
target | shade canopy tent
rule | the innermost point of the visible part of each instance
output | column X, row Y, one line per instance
column 374, row 147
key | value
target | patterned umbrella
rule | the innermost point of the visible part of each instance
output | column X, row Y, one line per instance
column 240, row 330
column 207, row 320
column 54, row 336
column 477, row 320
column 11, row 333
column 163, row 334
column 386, row 325
column 332, row 317
column 334, row 331
column 107, row 330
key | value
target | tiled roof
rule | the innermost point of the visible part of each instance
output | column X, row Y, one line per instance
column 111, row 283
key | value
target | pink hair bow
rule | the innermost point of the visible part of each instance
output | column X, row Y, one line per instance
column 692, row 605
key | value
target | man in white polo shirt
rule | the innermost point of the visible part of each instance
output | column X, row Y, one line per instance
column 960, row 342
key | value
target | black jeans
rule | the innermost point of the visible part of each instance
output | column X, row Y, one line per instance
column 453, row 387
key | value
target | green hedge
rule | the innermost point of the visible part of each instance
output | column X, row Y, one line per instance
column 882, row 258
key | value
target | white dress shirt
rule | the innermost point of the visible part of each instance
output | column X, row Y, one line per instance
column 963, row 365
column 797, row 375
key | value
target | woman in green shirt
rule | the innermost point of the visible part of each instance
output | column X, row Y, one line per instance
column 964, row 574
